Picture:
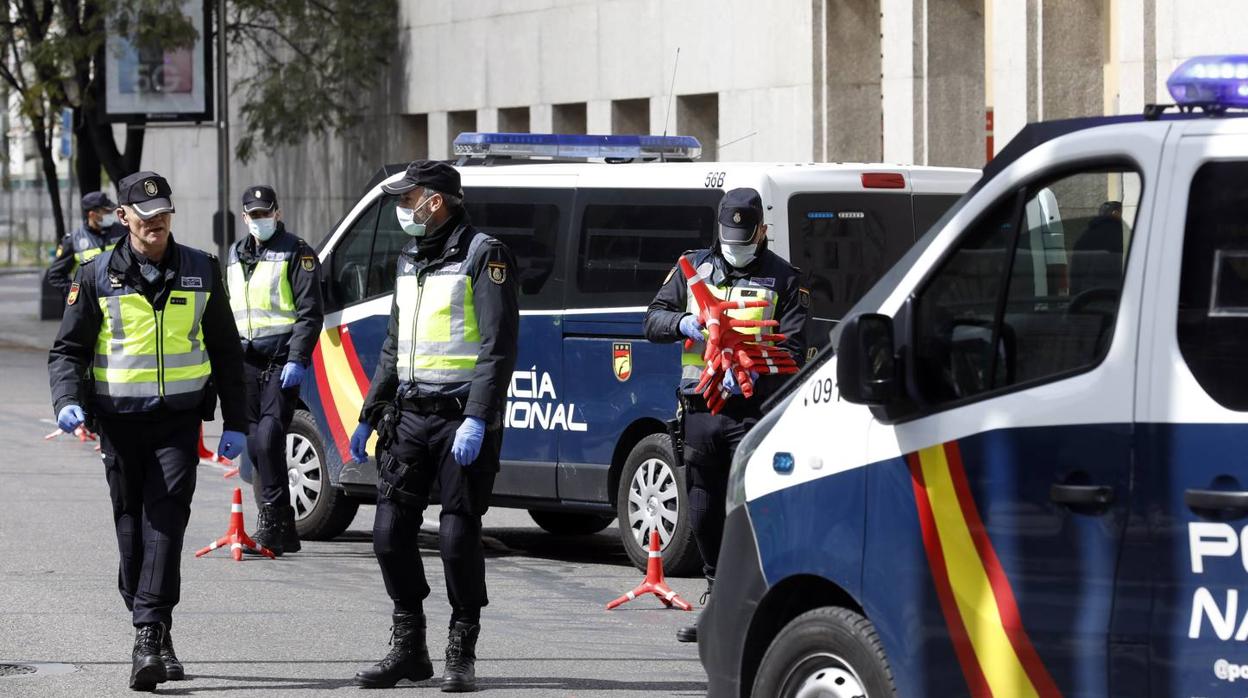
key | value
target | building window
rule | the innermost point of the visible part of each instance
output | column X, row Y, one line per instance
column 698, row 116
column 569, row 118
column 458, row 122
column 414, row 136
column 630, row 116
column 513, row 120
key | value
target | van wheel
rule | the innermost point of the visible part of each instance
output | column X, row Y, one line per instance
column 652, row 496
column 322, row 511
column 565, row 523
column 825, row 652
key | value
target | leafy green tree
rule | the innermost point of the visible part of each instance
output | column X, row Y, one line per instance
column 313, row 62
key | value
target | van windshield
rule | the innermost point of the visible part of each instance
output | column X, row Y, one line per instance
column 871, row 300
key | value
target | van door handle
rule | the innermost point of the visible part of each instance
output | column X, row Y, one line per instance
column 1095, row 495
column 1216, row 499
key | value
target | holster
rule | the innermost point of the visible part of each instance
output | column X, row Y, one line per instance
column 676, row 430
column 391, row 474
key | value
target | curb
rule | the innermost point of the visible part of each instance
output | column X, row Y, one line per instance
column 16, row 271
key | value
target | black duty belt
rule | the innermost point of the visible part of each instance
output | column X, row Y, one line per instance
column 433, row 405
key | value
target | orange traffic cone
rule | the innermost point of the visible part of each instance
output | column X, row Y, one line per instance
column 205, row 454
column 654, row 583
column 236, row 537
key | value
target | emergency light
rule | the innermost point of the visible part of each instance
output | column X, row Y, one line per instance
column 1216, row 82
column 554, row 145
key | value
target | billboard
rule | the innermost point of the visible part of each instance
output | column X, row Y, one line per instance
column 157, row 83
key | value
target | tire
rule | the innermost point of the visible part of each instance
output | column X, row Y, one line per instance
column 566, row 523
column 827, row 652
column 322, row 511
column 650, row 485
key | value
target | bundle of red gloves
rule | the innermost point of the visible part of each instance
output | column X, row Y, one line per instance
column 731, row 354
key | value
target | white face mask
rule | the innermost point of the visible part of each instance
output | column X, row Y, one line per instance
column 262, row 228
column 739, row 255
column 407, row 219
column 108, row 219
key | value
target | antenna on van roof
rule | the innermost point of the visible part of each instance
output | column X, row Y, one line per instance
column 667, row 113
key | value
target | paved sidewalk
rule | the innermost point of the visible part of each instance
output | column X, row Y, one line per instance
column 20, row 326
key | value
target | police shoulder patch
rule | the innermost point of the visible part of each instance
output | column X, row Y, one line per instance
column 497, row 271
column 308, row 263
column 670, row 274
column 803, row 297
column 73, row 294
column 60, row 250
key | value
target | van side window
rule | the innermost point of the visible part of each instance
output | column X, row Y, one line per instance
column 627, row 249
column 529, row 223
column 844, row 243
column 349, row 268
column 1030, row 294
column 389, row 242
column 1213, row 283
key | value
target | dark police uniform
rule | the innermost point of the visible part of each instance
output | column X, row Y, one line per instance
column 275, row 293
column 146, row 354
column 83, row 244
column 710, row 440
column 437, row 367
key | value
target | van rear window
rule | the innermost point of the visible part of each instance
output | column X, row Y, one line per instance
column 843, row 243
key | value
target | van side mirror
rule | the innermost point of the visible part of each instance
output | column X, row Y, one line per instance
column 866, row 363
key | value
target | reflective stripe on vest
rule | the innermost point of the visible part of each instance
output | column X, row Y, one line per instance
column 438, row 338
column 691, row 360
column 144, row 358
column 264, row 304
column 83, row 254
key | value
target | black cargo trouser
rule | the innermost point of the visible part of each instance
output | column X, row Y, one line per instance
column 151, row 467
column 423, row 444
column 269, row 411
column 710, row 442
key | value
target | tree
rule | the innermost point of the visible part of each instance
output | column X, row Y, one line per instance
column 314, row 59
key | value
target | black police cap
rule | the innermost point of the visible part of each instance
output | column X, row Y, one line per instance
column 96, row 199
column 431, row 174
column 740, row 212
column 260, row 197
column 146, row 192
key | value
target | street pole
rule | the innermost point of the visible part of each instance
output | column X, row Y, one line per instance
column 223, row 137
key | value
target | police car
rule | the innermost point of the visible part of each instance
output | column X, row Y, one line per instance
column 585, row 443
column 1029, row 475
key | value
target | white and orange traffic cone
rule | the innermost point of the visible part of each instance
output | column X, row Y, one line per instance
column 654, row 582
column 236, row 537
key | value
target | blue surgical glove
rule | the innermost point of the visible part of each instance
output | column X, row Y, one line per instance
column 468, row 438
column 231, row 444
column 691, row 327
column 292, row 374
column 359, row 442
column 70, row 418
column 730, row 381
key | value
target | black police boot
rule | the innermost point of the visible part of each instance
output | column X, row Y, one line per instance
column 146, row 667
column 290, row 535
column 460, row 675
column 268, row 530
column 408, row 657
column 689, row 633
column 173, row 665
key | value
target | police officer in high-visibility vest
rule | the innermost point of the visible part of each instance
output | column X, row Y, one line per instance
column 275, row 292
column 737, row 267
column 99, row 232
column 146, row 346
column 437, row 400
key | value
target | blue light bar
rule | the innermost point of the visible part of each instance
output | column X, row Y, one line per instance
column 1219, row 82
column 554, row 145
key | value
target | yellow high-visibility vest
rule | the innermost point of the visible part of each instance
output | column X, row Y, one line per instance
column 438, row 339
column 263, row 303
column 147, row 358
column 692, row 362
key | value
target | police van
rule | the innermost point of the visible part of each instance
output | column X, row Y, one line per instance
column 585, row 443
column 1029, row 474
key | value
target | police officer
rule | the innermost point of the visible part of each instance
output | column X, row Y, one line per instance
column 99, row 232
column 275, row 293
column 436, row 400
column 146, row 345
column 737, row 267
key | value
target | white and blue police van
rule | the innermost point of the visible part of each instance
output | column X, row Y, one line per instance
column 585, row 441
column 1022, row 471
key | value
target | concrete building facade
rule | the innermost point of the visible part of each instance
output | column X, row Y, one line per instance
column 940, row 82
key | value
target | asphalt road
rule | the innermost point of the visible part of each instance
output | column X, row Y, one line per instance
column 303, row 624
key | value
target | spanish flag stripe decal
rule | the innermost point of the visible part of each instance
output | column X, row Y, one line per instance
column 1010, row 617
column 336, row 430
column 353, row 360
column 987, row 618
column 936, row 561
column 342, row 387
